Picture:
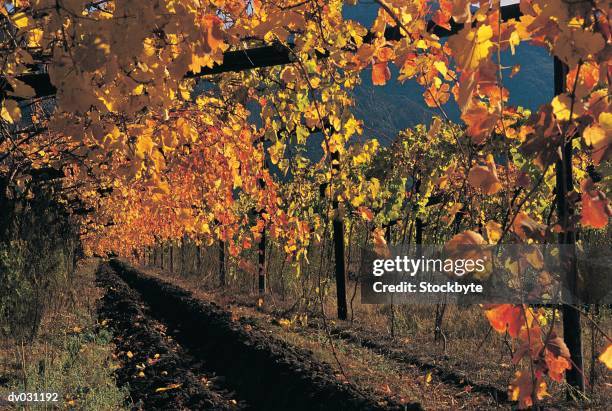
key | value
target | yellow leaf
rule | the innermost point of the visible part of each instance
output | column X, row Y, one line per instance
column 599, row 139
column 285, row 323
column 494, row 231
column 20, row 20
column 10, row 111
column 129, row 354
column 471, row 46
column 34, row 37
column 168, row 387
column 161, row 188
column 606, row 356
column 144, row 146
column 514, row 41
column 562, row 107
column 441, row 67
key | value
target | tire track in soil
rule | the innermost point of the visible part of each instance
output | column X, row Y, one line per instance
column 266, row 372
column 163, row 362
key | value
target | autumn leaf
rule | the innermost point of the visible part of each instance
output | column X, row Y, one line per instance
column 596, row 209
column 471, row 46
column 468, row 245
column 11, row 111
column 144, row 146
column 599, row 137
column 525, row 227
column 20, row 20
column 484, row 177
column 442, row 16
column 606, row 356
column 562, row 107
column 169, row 387
column 534, row 257
column 468, row 237
column 575, row 44
column 212, row 33
column 380, row 73
column 557, row 365
column 365, row 213
column 522, row 386
column 285, row 323
column 436, row 96
column 380, row 244
column 494, row 231
column 506, row 317
column 479, row 120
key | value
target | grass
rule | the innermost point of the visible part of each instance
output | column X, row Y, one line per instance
column 71, row 356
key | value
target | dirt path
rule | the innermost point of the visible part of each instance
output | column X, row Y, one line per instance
column 160, row 374
column 264, row 372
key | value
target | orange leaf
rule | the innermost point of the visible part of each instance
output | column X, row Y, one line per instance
column 443, row 14
column 522, row 386
column 479, row 120
column 467, row 237
column 380, row 244
column 213, row 35
column 484, row 177
column 506, row 317
column 595, row 209
column 556, row 365
column 380, row 74
column 365, row 213
column 525, row 227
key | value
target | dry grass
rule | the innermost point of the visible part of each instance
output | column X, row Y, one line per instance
column 70, row 356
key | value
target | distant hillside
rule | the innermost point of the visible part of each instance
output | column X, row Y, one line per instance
column 395, row 106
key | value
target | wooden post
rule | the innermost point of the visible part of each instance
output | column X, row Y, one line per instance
column 392, row 307
column 418, row 237
column 262, row 263
column 572, row 329
column 261, row 267
column 171, row 257
column 183, row 241
column 199, row 258
column 222, row 263
column 338, row 236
